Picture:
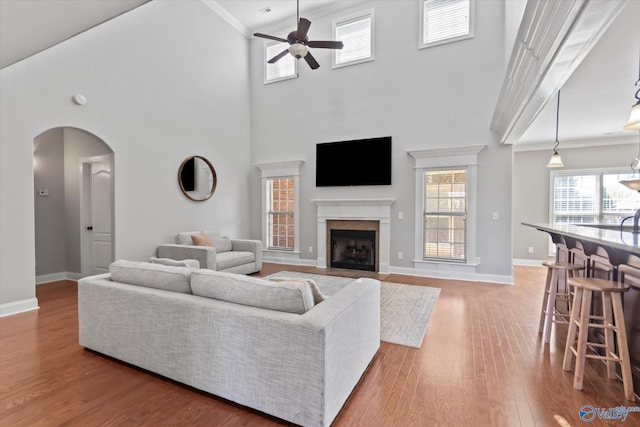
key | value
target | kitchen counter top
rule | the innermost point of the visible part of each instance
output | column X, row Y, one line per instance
column 624, row 241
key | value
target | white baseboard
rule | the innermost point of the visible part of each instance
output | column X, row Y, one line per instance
column 292, row 258
column 529, row 262
column 453, row 275
column 18, row 306
column 55, row 277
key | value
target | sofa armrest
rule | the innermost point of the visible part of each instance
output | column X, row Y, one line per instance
column 206, row 255
column 350, row 320
column 254, row 246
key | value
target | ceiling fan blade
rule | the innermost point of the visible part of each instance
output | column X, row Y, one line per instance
column 266, row 36
column 303, row 28
column 311, row 61
column 326, row 44
column 278, row 56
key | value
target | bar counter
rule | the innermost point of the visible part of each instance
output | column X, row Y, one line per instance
column 623, row 248
column 619, row 244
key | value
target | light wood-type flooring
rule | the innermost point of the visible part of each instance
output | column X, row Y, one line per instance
column 481, row 364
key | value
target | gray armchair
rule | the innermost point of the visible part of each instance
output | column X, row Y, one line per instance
column 231, row 255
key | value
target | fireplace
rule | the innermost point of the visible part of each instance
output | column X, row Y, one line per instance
column 353, row 244
column 354, row 249
column 354, row 214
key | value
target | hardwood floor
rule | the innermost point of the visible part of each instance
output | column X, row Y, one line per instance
column 481, row 364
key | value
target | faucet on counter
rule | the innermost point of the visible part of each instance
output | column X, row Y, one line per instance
column 636, row 220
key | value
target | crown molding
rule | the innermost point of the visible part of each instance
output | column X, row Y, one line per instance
column 631, row 138
column 286, row 24
column 553, row 39
column 231, row 20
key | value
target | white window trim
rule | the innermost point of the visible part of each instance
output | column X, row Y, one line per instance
column 445, row 158
column 266, row 81
column 281, row 170
column 350, row 18
column 470, row 35
column 551, row 248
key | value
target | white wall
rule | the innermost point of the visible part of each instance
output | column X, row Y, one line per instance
column 163, row 82
column 437, row 97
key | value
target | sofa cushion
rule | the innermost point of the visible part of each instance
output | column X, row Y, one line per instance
column 317, row 296
column 291, row 297
column 221, row 243
column 231, row 259
column 202, row 239
column 151, row 275
column 192, row 263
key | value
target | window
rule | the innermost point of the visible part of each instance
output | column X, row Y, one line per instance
column 283, row 69
column 356, row 32
column 446, row 199
column 280, row 210
column 445, row 21
column 445, row 211
column 280, row 214
column 587, row 197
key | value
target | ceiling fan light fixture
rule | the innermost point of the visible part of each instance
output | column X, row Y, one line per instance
column 298, row 50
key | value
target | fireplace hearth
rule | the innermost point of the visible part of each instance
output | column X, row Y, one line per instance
column 354, row 249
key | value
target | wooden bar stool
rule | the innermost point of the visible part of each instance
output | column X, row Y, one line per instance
column 581, row 320
column 556, row 291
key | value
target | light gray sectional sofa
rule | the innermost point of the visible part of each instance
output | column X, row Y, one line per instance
column 231, row 255
column 266, row 345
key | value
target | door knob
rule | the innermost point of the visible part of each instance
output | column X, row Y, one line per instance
column 90, row 228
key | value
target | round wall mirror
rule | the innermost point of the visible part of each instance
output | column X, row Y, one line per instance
column 197, row 178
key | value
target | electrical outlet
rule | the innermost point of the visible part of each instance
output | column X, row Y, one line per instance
column 530, row 249
column 310, row 249
column 400, row 255
column 400, row 215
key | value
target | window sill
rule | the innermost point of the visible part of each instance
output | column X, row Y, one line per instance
column 473, row 263
column 350, row 63
column 281, row 251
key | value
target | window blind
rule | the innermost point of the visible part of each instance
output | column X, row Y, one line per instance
column 356, row 36
column 586, row 198
column 445, row 19
column 445, row 210
column 285, row 67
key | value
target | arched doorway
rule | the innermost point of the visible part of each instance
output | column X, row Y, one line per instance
column 63, row 159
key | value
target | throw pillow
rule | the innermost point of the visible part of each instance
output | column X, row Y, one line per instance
column 317, row 296
column 193, row 263
column 202, row 239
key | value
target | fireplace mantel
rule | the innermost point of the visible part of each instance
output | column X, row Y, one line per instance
column 355, row 209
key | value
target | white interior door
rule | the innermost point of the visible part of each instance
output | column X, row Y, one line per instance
column 99, row 229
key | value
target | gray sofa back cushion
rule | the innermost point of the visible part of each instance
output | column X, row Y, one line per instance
column 168, row 278
column 290, row 297
column 192, row 263
column 222, row 243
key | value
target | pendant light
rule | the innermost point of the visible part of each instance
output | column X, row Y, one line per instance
column 634, row 124
column 556, row 160
column 634, row 184
column 634, row 119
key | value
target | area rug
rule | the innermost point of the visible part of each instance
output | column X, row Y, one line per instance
column 404, row 309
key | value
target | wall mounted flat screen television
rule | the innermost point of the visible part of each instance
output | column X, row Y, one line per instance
column 352, row 163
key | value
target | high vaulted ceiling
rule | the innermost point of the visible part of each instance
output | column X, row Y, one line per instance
column 595, row 101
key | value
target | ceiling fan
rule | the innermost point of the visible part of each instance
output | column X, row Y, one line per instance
column 299, row 43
